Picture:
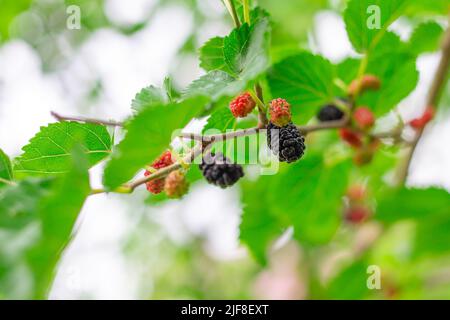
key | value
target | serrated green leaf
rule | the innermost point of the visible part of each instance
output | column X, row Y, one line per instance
column 148, row 96
column 246, row 56
column 425, row 38
column 347, row 70
column 49, row 151
column 148, row 134
column 211, row 55
column 305, row 81
column 215, row 85
column 361, row 20
column 37, row 217
column 6, row 172
column 221, row 119
column 246, row 50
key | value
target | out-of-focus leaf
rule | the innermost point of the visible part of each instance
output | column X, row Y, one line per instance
column 259, row 225
column 49, row 151
column 6, row 172
column 428, row 8
column 398, row 75
column 411, row 203
column 347, row 70
column 350, row 283
column 305, row 81
column 361, row 17
column 37, row 218
column 311, row 193
column 10, row 9
column 148, row 134
column 425, row 38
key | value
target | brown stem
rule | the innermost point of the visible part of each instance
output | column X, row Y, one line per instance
column 86, row 120
column 130, row 187
column 433, row 97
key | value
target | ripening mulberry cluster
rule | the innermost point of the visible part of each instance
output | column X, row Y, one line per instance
column 175, row 184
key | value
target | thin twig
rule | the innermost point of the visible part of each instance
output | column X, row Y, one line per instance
column 262, row 115
column 8, row 182
column 229, row 4
column 130, row 187
column 433, row 97
column 324, row 125
column 86, row 120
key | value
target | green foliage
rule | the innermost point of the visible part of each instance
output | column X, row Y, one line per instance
column 148, row 134
column 360, row 16
column 245, row 55
column 260, row 225
column 215, row 85
column 425, row 38
column 304, row 80
column 399, row 77
column 349, row 283
column 10, row 9
column 412, row 203
column 148, row 96
column 307, row 185
column 6, row 172
column 49, row 151
column 211, row 55
column 37, row 217
column 221, row 119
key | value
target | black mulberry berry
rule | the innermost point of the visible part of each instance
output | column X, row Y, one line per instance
column 219, row 170
column 330, row 113
column 287, row 142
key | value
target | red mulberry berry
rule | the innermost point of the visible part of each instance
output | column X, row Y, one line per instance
column 280, row 112
column 242, row 105
column 426, row 117
column 364, row 117
column 157, row 186
column 357, row 214
column 351, row 137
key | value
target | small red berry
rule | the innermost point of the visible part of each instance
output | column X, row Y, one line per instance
column 356, row 192
column 280, row 112
column 176, row 185
column 364, row 117
column 367, row 82
column 242, row 105
column 154, row 186
column 163, row 161
column 351, row 137
column 357, row 214
column 426, row 117
column 157, row 186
